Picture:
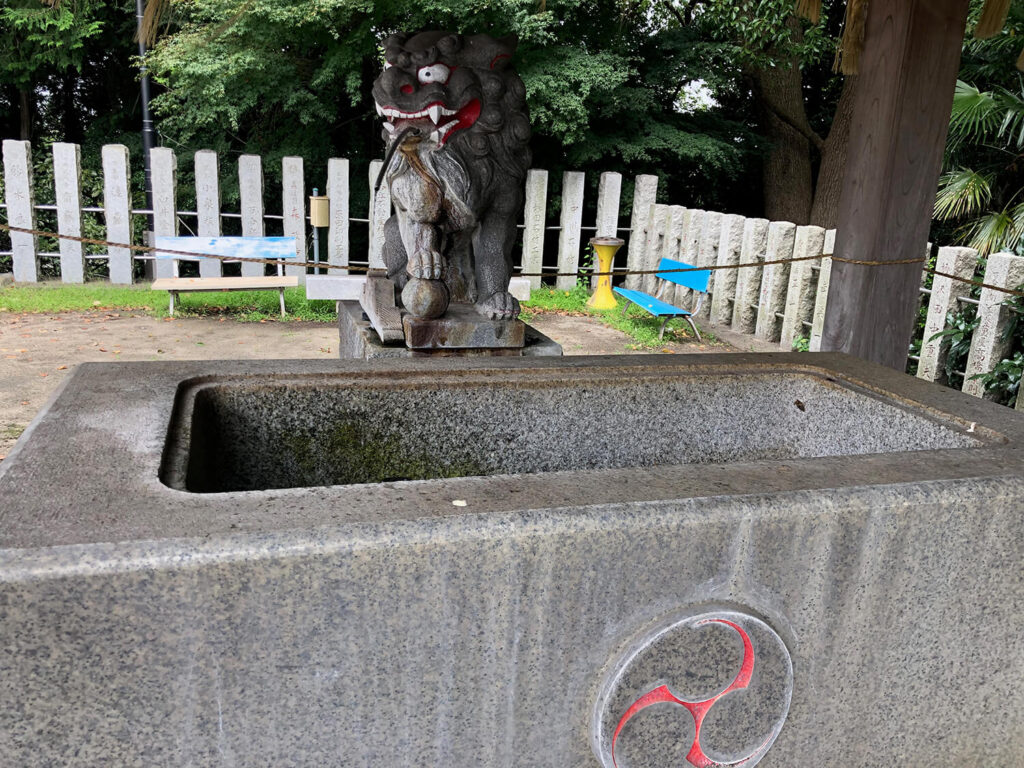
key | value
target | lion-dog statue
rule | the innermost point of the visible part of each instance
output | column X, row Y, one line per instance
column 457, row 130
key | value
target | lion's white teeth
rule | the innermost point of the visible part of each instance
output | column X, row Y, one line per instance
column 380, row 109
column 445, row 111
column 435, row 113
column 435, row 136
column 447, row 127
column 389, row 127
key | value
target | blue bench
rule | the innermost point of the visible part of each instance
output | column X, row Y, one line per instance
column 227, row 247
column 696, row 281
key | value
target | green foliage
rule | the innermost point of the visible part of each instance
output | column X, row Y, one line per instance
column 980, row 192
column 1004, row 380
column 959, row 330
column 803, row 344
column 42, row 36
column 767, row 32
column 603, row 84
column 962, row 193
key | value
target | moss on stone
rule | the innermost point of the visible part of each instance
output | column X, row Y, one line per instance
column 350, row 452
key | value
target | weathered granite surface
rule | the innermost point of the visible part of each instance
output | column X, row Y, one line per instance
column 462, row 327
column 871, row 535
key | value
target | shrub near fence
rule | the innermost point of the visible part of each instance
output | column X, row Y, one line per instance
column 782, row 303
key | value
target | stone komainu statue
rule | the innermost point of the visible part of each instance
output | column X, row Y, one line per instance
column 457, row 129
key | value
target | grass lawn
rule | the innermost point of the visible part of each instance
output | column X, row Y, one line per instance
column 639, row 325
column 241, row 305
column 256, row 306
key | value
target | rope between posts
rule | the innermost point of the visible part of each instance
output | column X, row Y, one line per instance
column 542, row 273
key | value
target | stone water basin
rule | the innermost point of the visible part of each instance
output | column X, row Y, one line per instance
column 251, row 433
column 512, row 562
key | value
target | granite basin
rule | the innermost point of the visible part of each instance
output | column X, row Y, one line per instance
column 254, row 432
column 535, row 562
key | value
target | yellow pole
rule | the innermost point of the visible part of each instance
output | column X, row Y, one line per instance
column 606, row 248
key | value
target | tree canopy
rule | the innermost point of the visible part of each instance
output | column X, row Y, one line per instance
column 604, row 82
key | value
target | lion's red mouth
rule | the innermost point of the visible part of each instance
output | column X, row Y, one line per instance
column 436, row 120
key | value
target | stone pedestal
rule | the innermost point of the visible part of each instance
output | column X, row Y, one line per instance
column 465, row 336
column 462, row 327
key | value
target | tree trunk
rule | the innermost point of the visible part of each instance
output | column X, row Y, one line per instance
column 788, row 181
column 787, row 175
column 25, row 99
column 825, row 211
column 71, row 117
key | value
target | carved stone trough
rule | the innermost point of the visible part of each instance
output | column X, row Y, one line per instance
column 634, row 561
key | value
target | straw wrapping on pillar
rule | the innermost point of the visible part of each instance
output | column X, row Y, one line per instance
column 809, row 9
column 992, row 19
column 850, row 47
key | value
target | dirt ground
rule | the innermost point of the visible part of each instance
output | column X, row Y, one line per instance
column 37, row 351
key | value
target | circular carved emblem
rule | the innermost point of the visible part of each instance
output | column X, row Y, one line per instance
column 711, row 689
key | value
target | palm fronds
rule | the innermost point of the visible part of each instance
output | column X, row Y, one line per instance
column 975, row 114
column 997, row 231
column 980, row 116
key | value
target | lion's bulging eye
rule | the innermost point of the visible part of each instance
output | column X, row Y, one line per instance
column 435, row 73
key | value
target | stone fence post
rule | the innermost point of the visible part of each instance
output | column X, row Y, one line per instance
column 21, row 210
column 945, row 292
column 988, row 346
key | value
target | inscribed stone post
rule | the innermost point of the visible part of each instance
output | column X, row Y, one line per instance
column 988, row 346
column 748, row 279
column 775, row 280
column 730, row 244
column 945, row 291
column 707, row 255
column 645, row 192
column 67, row 184
column 117, row 202
column 800, row 293
column 21, row 211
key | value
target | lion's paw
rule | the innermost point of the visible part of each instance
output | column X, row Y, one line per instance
column 499, row 306
column 425, row 265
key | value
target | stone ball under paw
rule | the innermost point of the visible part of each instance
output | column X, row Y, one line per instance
column 425, row 298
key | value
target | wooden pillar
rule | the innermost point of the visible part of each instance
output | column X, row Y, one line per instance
column 907, row 74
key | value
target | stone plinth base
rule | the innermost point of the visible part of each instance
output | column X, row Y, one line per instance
column 462, row 327
column 358, row 340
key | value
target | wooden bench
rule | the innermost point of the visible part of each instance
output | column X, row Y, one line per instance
column 697, row 281
column 227, row 247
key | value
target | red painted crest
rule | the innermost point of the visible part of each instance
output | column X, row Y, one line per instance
column 699, row 709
